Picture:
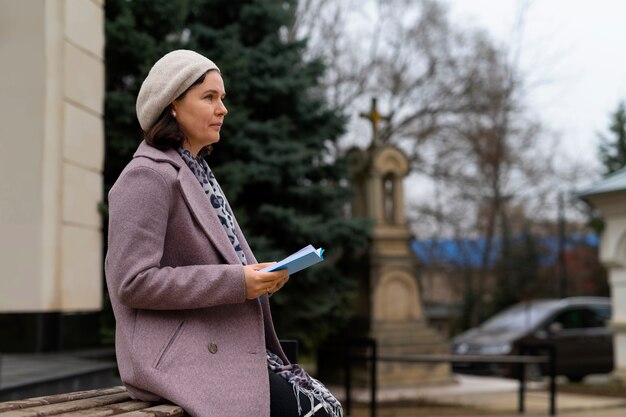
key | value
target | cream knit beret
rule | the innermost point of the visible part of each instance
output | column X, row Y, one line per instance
column 168, row 78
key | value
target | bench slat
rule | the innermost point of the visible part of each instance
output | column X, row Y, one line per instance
column 65, row 407
column 109, row 410
column 106, row 402
column 59, row 398
column 165, row 410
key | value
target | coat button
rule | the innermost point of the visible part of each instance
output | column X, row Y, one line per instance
column 212, row 347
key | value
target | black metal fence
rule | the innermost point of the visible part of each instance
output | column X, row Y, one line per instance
column 520, row 360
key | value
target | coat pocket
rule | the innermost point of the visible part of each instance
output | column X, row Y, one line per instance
column 169, row 343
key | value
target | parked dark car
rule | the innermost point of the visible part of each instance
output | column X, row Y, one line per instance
column 577, row 327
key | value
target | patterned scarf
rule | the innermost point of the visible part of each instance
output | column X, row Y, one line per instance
column 293, row 373
column 207, row 180
column 303, row 383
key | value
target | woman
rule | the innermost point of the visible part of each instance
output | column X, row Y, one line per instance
column 193, row 320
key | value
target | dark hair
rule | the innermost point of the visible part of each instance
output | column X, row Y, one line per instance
column 165, row 133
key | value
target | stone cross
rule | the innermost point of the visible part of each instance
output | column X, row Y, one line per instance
column 374, row 117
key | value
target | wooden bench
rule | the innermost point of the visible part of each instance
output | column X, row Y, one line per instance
column 113, row 401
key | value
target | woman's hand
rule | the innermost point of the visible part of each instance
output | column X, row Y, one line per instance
column 259, row 283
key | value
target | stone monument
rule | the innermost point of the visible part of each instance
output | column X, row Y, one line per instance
column 392, row 303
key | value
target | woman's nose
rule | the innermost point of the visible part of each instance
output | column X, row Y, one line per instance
column 221, row 109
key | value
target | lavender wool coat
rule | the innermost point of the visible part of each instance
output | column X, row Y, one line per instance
column 185, row 331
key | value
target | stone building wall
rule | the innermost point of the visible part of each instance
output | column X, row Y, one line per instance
column 51, row 108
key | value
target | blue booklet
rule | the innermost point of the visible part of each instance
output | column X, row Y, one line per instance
column 298, row 261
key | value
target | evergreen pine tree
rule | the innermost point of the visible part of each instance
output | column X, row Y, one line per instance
column 612, row 149
column 274, row 159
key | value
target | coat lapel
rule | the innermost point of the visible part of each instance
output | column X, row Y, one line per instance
column 196, row 200
column 206, row 216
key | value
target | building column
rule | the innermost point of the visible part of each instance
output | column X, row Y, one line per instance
column 613, row 257
column 52, row 158
column 617, row 279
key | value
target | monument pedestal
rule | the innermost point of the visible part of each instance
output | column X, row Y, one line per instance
column 397, row 320
column 405, row 339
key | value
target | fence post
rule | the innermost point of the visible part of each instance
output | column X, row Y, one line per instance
column 347, row 371
column 522, row 381
column 552, row 371
column 373, row 404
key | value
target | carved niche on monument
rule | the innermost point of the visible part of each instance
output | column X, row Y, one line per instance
column 392, row 304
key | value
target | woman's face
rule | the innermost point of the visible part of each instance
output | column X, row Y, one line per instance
column 201, row 111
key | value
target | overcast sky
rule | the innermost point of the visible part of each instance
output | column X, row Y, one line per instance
column 573, row 55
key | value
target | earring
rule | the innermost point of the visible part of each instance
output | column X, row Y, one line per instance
column 173, row 113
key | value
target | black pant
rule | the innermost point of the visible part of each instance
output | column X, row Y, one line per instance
column 283, row 400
